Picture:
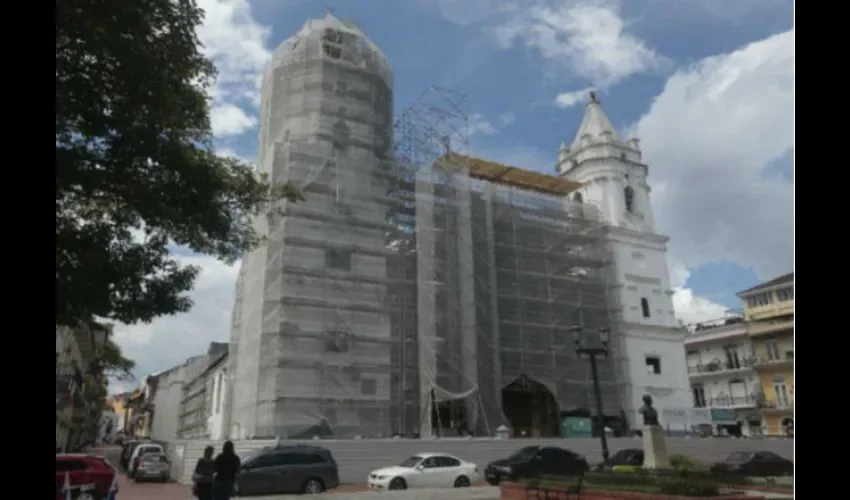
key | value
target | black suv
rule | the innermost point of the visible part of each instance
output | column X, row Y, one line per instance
column 287, row 469
column 536, row 461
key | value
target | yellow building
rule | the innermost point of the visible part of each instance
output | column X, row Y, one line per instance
column 769, row 311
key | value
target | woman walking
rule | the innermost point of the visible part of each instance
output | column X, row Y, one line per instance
column 203, row 476
column 226, row 466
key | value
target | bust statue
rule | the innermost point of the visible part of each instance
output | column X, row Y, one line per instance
column 650, row 414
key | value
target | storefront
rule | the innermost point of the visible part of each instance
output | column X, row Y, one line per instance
column 725, row 422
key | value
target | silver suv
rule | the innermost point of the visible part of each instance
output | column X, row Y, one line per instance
column 287, row 469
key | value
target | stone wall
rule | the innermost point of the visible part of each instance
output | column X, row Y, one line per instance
column 356, row 458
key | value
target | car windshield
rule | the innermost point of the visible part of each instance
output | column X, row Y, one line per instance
column 739, row 456
column 411, row 462
column 524, row 453
column 622, row 456
column 154, row 457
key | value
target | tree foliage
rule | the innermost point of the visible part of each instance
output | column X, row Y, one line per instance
column 136, row 170
column 114, row 364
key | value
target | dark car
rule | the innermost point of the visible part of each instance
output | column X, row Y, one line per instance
column 126, row 451
column 754, row 463
column 536, row 461
column 629, row 456
column 287, row 469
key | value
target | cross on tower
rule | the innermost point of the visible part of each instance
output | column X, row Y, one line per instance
column 328, row 11
column 593, row 93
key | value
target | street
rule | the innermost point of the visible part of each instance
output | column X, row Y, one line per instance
column 130, row 490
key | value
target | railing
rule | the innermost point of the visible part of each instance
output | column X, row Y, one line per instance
column 770, row 326
column 719, row 367
column 788, row 356
column 729, row 401
column 776, row 405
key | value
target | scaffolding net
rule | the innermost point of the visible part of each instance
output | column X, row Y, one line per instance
column 414, row 291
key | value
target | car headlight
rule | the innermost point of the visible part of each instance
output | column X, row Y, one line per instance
column 380, row 477
column 506, row 470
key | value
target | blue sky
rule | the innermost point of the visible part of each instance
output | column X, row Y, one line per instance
column 707, row 85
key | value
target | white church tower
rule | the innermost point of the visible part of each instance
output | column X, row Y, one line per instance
column 648, row 344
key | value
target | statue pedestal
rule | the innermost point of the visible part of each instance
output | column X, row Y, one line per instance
column 654, row 448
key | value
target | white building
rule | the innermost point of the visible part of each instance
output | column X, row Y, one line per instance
column 202, row 407
column 722, row 377
column 647, row 341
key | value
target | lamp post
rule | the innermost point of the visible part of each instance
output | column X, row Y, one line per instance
column 592, row 352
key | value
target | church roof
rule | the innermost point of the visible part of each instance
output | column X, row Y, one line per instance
column 594, row 123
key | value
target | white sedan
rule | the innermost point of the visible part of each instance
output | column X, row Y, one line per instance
column 425, row 470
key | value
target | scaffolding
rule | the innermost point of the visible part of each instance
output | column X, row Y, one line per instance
column 506, row 264
column 415, row 283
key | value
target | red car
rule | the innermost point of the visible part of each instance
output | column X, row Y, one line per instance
column 89, row 476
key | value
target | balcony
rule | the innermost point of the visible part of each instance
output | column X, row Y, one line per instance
column 768, row 327
column 720, row 368
column 786, row 360
column 773, row 407
column 750, row 401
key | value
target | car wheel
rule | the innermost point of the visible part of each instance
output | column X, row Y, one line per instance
column 88, row 495
column 462, row 482
column 398, row 484
column 494, row 481
column 313, row 486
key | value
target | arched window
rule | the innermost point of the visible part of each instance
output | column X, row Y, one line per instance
column 644, row 307
column 578, row 198
column 629, row 197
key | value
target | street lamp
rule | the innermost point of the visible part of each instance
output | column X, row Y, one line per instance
column 592, row 352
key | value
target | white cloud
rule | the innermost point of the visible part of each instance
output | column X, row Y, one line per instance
column 689, row 307
column 569, row 99
column 237, row 44
column 587, row 39
column 229, row 119
column 169, row 340
column 507, row 118
column 709, row 138
column 477, row 124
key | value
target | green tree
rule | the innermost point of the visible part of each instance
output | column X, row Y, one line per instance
column 136, row 170
column 114, row 364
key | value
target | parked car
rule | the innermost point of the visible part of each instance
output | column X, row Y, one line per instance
column 126, row 451
column 754, row 463
column 153, row 467
column 536, row 461
column 139, row 451
column 425, row 470
column 287, row 469
column 89, row 477
column 629, row 456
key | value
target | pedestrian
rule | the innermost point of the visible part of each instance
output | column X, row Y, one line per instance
column 226, row 466
column 202, row 479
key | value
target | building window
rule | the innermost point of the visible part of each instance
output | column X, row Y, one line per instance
column 578, row 198
column 629, row 197
column 772, row 347
column 337, row 342
column 338, row 259
column 781, row 392
column 699, row 396
column 733, row 362
column 653, row 365
column 644, row 307
column 368, row 387
column 785, row 294
column 218, row 392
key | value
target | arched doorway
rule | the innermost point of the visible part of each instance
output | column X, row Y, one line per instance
column 787, row 426
column 530, row 408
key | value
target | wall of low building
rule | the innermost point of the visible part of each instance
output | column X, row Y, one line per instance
column 356, row 458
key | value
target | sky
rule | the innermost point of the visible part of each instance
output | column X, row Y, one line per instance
column 706, row 85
